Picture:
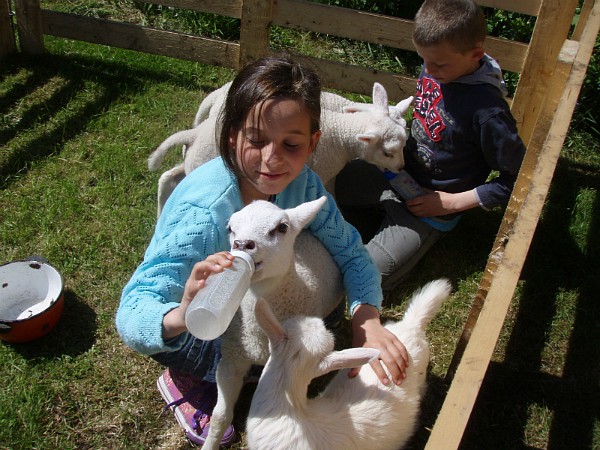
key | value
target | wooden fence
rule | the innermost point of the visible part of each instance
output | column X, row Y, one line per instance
column 552, row 67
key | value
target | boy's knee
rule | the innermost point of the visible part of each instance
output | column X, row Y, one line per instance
column 392, row 271
column 383, row 259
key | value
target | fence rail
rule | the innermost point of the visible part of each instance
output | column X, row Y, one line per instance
column 256, row 19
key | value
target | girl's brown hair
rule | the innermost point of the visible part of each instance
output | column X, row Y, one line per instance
column 264, row 79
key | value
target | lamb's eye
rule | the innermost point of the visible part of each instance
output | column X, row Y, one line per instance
column 279, row 229
column 282, row 228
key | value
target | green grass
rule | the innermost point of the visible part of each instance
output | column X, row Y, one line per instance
column 76, row 128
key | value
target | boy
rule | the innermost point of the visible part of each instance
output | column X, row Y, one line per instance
column 462, row 130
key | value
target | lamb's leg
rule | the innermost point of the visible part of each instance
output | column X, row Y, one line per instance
column 167, row 183
column 230, row 380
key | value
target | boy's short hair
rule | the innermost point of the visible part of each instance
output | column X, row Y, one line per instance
column 461, row 23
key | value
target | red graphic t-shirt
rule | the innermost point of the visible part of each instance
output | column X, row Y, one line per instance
column 427, row 98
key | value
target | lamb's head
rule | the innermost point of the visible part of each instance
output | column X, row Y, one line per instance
column 267, row 233
column 386, row 134
column 306, row 346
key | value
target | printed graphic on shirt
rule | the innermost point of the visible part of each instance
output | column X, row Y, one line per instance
column 426, row 111
column 424, row 156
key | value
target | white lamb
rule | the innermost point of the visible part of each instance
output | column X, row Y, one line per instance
column 370, row 133
column 213, row 103
column 359, row 413
column 294, row 273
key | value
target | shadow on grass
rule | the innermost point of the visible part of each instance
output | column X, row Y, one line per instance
column 72, row 91
column 472, row 240
column 530, row 380
column 555, row 264
column 73, row 335
column 521, row 385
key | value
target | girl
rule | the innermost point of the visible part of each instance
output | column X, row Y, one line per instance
column 270, row 126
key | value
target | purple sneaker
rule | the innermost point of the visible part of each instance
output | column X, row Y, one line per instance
column 192, row 401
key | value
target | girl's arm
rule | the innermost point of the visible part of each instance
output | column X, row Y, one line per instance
column 362, row 282
column 159, row 284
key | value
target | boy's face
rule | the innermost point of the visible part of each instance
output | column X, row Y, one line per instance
column 444, row 63
column 273, row 146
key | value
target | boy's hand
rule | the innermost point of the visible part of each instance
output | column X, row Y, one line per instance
column 368, row 332
column 439, row 203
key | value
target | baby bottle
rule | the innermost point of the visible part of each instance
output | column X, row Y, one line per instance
column 404, row 184
column 213, row 307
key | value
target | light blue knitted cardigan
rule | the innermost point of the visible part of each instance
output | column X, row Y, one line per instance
column 193, row 225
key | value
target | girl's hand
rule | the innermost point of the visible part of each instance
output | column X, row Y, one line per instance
column 439, row 203
column 367, row 331
column 212, row 264
column 174, row 320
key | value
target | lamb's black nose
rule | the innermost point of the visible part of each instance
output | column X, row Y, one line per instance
column 247, row 244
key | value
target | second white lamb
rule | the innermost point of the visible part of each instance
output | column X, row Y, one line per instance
column 374, row 132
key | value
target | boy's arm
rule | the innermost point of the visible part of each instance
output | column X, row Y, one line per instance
column 504, row 151
column 438, row 203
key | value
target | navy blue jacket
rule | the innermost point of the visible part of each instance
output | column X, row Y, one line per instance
column 461, row 133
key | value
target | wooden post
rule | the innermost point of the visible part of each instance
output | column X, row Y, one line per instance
column 29, row 26
column 528, row 199
column 7, row 39
column 550, row 31
column 548, row 36
column 255, row 27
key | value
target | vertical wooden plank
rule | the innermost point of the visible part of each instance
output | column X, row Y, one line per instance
column 551, row 29
column 7, row 39
column 255, row 29
column 584, row 13
column 526, row 205
column 29, row 26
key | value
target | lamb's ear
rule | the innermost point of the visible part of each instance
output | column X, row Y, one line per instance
column 267, row 321
column 369, row 137
column 357, row 108
column 302, row 214
column 347, row 359
column 380, row 98
column 403, row 106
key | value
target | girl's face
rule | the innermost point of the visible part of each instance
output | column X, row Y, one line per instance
column 272, row 147
column 445, row 64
